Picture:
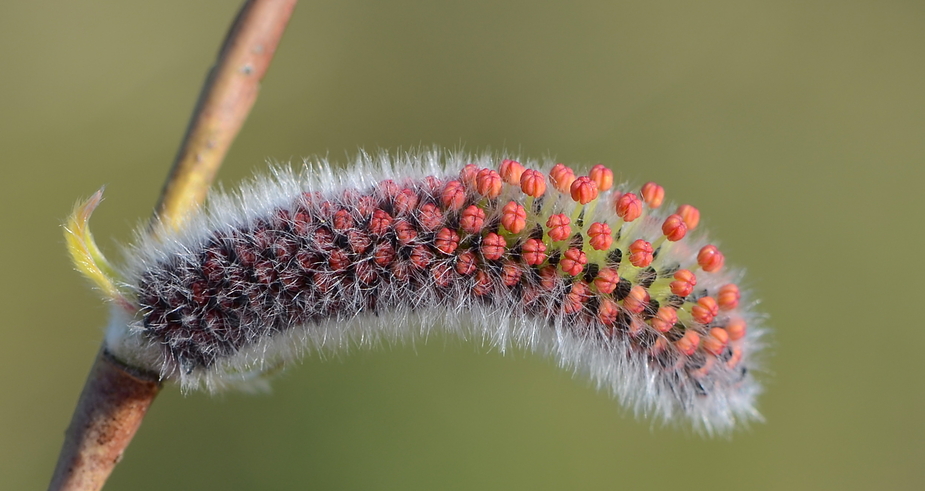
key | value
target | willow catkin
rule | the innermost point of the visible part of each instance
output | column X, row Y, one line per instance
column 611, row 281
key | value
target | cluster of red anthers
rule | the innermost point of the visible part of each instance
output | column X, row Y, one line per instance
column 608, row 265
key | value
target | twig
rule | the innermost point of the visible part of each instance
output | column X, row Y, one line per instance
column 116, row 396
column 224, row 103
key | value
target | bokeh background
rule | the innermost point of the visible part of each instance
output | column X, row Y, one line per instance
column 798, row 128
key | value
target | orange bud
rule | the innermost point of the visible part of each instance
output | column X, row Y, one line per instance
column 510, row 171
column 606, row 280
column 602, row 176
column 599, row 236
column 710, row 259
column 514, row 217
column 674, row 228
column 583, row 190
column 688, row 343
column 629, row 207
column 534, row 252
column 641, row 253
column 716, row 342
column 573, row 261
column 690, row 215
column 653, row 194
column 488, row 183
column 736, row 328
column 728, row 297
column 559, row 228
column 705, row 310
column 684, row 284
column 532, row 183
column 472, row 219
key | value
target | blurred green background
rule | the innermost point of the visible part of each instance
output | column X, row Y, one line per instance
column 798, row 128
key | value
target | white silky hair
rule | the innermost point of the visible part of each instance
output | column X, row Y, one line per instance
column 649, row 390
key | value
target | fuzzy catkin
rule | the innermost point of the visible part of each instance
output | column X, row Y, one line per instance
column 394, row 248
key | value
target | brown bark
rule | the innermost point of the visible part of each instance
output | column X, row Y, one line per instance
column 112, row 405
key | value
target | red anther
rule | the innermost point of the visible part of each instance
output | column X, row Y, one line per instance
column 602, row 176
column 665, row 319
column 653, row 194
column 307, row 260
column 728, row 297
column 199, row 291
column 482, row 284
column 323, row 239
column 576, row 297
column 705, row 310
column 431, row 184
column 383, row 254
column 561, row 177
column 342, row 220
column 365, row 205
column 284, row 248
column 583, row 190
column 465, row 263
column 264, row 272
column 736, row 328
column 442, row 274
column 421, row 257
column 636, row 325
column 658, row 347
column 688, row 343
column 606, row 280
column 641, row 253
column 637, row 300
column 429, row 216
column 559, row 228
column 453, row 196
column 472, row 219
column 533, row 252
column 511, row 170
column 684, row 283
column 493, row 246
column 549, row 278
column 338, row 260
column 468, row 173
column 388, row 188
column 736, row 357
column 405, row 232
column 401, row 270
column 326, row 209
column 380, row 223
column 599, row 236
column 674, row 228
column 705, row 368
column 488, row 183
column 510, row 273
column 447, row 240
column 710, row 259
column 405, row 202
column 514, row 217
column 716, row 341
column 607, row 311
column 324, row 282
column 301, row 223
column 366, row 272
column 573, row 261
column 359, row 241
column 629, row 207
column 532, row 183
column 690, row 215
column 307, row 199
